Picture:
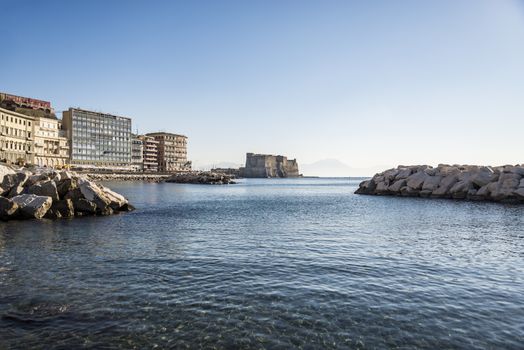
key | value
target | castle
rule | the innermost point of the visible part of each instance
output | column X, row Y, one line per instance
column 266, row 165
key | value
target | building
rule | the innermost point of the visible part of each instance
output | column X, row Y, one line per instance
column 267, row 165
column 51, row 145
column 9, row 100
column 150, row 162
column 172, row 152
column 137, row 153
column 16, row 137
column 98, row 140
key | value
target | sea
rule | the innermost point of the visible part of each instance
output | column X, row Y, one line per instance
column 267, row 264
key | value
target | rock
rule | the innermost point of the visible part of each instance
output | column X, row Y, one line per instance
column 9, row 181
column 382, row 188
column 483, row 177
column 445, row 185
column 519, row 192
column 366, row 187
column 93, row 193
column 472, row 182
column 64, row 186
column 84, row 206
column 8, row 208
column 75, row 194
column 33, row 206
column 5, row 170
column 425, row 193
column 431, row 183
column 460, row 189
column 203, row 177
column 389, row 175
column 47, row 188
column 127, row 207
column 403, row 173
column 407, row 191
column 397, row 185
column 116, row 200
column 65, row 175
column 34, row 179
column 416, row 180
column 64, row 207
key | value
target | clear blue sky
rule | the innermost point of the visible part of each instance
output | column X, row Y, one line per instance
column 366, row 82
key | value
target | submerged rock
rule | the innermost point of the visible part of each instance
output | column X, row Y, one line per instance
column 499, row 184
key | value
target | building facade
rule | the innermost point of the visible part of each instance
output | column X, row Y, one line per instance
column 16, row 137
column 98, row 140
column 150, row 163
column 137, row 153
column 51, row 145
column 172, row 152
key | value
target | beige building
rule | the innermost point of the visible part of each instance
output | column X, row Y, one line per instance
column 50, row 143
column 150, row 155
column 16, row 137
column 172, row 152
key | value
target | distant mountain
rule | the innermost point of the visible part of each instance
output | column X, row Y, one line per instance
column 336, row 168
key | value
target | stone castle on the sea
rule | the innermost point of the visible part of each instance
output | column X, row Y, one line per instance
column 267, row 165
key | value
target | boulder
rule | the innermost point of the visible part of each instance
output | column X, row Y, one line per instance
column 33, row 206
column 34, row 179
column 64, row 175
column 64, row 207
column 5, row 170
column 460, row 189
column 403, row 173
column 9, row 181
column 397, row 185
column 93, row 193
column 46, row 188
column 8, row 209
column 366, row 187
column 117, row 200
column 519, row 193
column 64, row 186
column 415, row 181
column 483, row 177
column 431, row 183
column 445, row 185
column 84, row 206
column 389, row 175
column 15, row 191
column 407, row 191
column 75, row 194
column 382, row 188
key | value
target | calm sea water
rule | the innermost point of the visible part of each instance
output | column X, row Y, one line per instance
column 267, row 264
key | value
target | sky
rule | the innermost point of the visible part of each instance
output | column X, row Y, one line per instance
column 365, row 84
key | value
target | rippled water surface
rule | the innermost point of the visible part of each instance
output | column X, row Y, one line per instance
column 267, row 264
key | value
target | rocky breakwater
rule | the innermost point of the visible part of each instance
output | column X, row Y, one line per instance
column 26, row 194
column 468, row 182
column 202, row 177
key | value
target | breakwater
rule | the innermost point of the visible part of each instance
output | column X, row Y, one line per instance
column 127, row 177
column 467, row 182
column 37, row 194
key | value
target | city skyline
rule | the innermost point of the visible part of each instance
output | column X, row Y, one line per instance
column 369, row 86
